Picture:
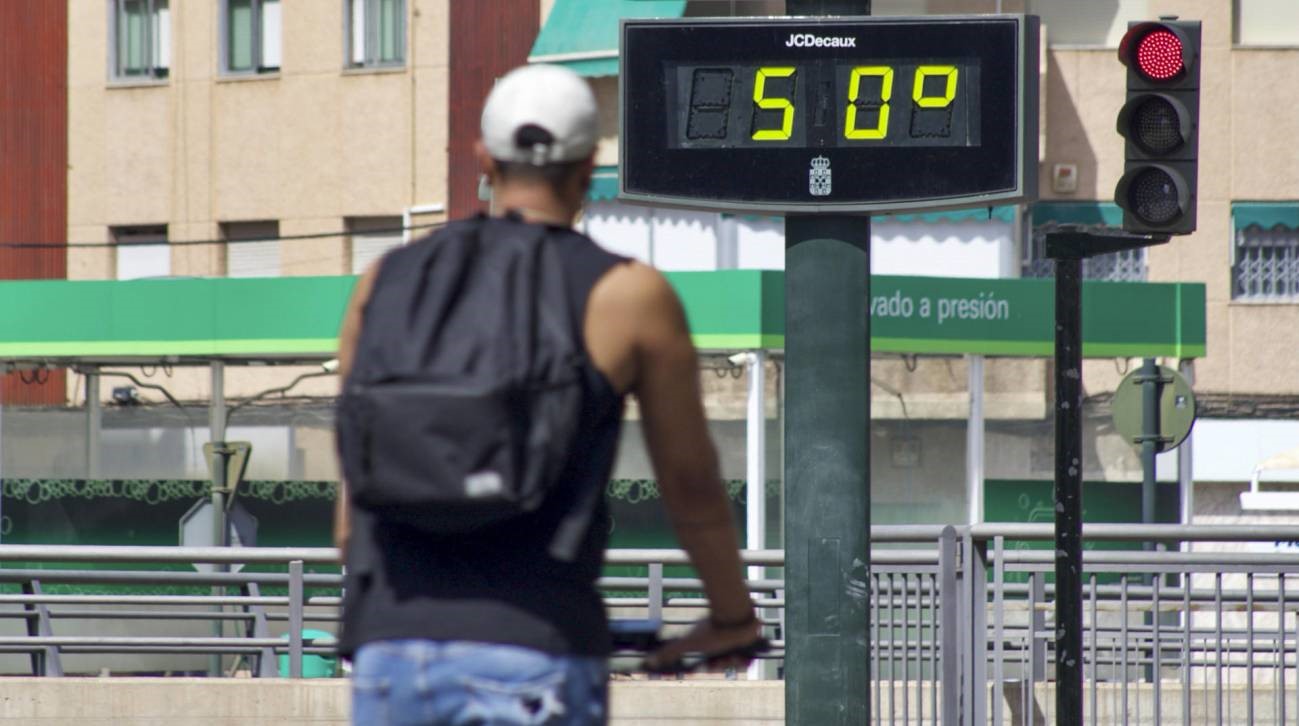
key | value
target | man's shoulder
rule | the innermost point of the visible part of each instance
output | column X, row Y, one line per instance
column 634, row 288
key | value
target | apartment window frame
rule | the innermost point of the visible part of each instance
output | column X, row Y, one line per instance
column 1265, row 261
column 256, row 40
column 1237, row 27
column 155, row 41
column 1111, row 41
column 371, row 56
column 267, row 237
column 152, row 237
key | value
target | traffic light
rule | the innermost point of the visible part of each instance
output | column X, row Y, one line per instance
column 1160, row 122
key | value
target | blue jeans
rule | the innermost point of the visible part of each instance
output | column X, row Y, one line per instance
column 459, row 683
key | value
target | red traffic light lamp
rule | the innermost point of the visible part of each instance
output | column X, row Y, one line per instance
column 1160, row 122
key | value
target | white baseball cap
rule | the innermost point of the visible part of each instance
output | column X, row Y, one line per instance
column 540, row 114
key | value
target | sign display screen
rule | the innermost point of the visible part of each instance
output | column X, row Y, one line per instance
column 909, row 102
column 804, row 114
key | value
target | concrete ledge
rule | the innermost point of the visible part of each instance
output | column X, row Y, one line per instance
column 274, row 702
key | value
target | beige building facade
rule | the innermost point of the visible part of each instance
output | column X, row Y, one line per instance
column 323, row 145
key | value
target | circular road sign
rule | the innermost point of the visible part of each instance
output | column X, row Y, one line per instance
column 1176, row 408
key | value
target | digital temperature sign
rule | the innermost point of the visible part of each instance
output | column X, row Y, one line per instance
column 802, row 114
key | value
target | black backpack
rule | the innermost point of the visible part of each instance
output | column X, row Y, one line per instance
column 461, row 408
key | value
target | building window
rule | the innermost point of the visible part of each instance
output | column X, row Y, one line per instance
column 1125, row 266
column 369, row 238
column 1088, row 24
column 251, row 36
column 376, row 33
column 141, row 252
column 141, row 39
column 1266, row 22
column 252, row 249
column 1265, row 259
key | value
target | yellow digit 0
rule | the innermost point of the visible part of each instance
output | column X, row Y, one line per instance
column 949, row 89
column 773, row 104
column 881, row 130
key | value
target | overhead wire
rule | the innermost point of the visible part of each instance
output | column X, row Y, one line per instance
column 199, row 242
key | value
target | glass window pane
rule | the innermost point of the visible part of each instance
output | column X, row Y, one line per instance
column 270, row 33
column 392, row 30
column 239, row 35
column 132, row 29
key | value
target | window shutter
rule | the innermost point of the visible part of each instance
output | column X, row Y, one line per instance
column 370, row 246
column 137, row 261
column 253, row 259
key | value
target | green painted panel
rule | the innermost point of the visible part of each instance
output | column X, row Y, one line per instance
column 1090, row 213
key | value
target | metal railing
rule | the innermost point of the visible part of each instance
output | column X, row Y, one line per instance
column 962, row 628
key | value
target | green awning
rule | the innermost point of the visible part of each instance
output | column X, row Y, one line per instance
column 604, row 184
column 1003, row 213
column 1090, row 213
column 583, row 34
column 1265, row 214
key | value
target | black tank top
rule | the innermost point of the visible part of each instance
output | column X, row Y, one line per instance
column 499, row 585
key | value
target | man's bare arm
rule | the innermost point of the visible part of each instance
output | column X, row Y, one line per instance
column 663, row 372
column 348, row 334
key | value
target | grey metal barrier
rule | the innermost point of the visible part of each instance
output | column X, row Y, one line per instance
column 962, row 627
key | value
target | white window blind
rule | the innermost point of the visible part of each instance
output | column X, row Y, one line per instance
column 1267, row 22
column 1089, row 23
column 371, row 237
column 252, row 259
column 141, row 252
column 271, row 33
column 162, row 34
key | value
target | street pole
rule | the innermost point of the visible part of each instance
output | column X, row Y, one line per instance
column 1068, row 247
column 1068, row 490
column 1149, row 378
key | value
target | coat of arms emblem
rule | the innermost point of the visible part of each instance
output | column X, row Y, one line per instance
column 818, row 177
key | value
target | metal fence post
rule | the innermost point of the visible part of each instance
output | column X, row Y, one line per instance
column 656, row 591
column 998, row 627
column 951, row 657
column 45, row 662
column 295, row 619
column 976, row 581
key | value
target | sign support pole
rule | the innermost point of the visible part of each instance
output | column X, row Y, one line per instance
column 827, row 465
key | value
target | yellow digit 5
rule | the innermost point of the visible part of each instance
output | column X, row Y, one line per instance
column 949, row 89
column 885, row 74
column 773, row 104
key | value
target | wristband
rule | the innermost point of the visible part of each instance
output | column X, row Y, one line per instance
column 732, row 624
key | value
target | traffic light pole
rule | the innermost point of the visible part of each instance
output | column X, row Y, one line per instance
column 827, row 463
column 1069, row 248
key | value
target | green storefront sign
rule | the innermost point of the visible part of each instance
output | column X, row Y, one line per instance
column 298, row 317
column 1015, row 317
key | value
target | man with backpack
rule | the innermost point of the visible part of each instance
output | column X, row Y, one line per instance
column 484, row 370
